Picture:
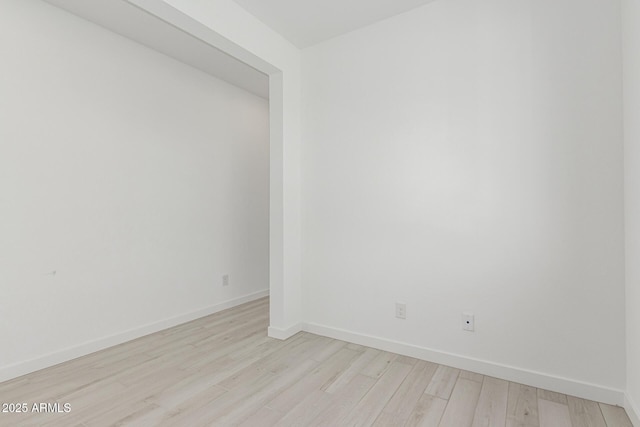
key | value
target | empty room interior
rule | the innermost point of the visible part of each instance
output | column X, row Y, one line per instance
column 320, row 213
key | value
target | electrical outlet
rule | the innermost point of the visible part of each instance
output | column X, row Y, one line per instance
column 468, row 322
column 401, row 310
column 225, row 280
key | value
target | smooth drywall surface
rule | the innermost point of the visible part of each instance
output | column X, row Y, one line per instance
column 467, row 157
column 631, row 42
column 129, row 185
column 241, row 33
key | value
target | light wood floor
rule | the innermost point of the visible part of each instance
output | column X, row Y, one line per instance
column 223, row 370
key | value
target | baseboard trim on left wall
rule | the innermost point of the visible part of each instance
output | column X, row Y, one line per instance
column 22, row 368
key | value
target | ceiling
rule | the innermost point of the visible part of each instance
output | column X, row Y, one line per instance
column 134, row 23
column 303, row 22
column 307, row 22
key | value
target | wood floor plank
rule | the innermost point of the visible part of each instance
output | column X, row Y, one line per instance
column 443, row 382
column 356, row 347
column 344, row 400
column 349, row 374
column 410, row 391
column 379, row 365
column 615, row 416
column 148, row 416
column 122, row 415
column 322, row 374
column 308, row 409
column 273, row 364
column 387, row 420
column 210, row 338
column 471, row 376
column 461, row 407
column 29, row 419
column 203, row 357
column 265, row 417
column 95, row 399
column 250, row 353
column 552, row 396
column 553, row 414
column 406, row 359
column 231, row 403
column 192, row 412
column 585, row 413
column 491, row 410
column 427, row 412
column 327, row 350
column 202, row 336
column 368, row 409
column 239, row 404
column 522, row 406
column 215, row 373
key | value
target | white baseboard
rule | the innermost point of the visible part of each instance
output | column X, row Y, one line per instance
column 283, row 334
column 51, row 359
column 523, row 376
column 632, row 409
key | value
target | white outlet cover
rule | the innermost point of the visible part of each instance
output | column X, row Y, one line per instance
column 468, row 322
column 401, row 310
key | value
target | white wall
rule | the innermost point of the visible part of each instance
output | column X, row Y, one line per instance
column 467, row 156
column 631, row 42
column 140, row 180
